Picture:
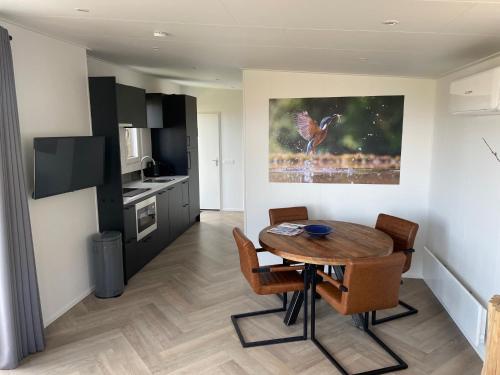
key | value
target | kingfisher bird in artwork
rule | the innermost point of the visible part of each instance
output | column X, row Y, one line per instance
column 311, row 131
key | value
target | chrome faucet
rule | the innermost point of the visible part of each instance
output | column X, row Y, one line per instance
column 142, row 170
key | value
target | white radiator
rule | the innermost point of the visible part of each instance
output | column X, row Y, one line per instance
column 465, row 310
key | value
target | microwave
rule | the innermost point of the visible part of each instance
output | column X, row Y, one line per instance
column 146, row 217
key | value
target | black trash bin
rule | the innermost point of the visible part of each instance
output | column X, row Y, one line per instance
column 108, row 264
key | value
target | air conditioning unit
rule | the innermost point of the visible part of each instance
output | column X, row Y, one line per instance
column 478, row 94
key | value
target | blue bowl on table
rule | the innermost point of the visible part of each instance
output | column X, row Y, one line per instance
column 318, row 230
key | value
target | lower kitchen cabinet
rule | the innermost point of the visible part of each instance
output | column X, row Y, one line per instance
column 172, row 219
column 163, row 219
column 175, row 210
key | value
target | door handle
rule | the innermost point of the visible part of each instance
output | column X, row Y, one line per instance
column 216, row 162
column 189, row 159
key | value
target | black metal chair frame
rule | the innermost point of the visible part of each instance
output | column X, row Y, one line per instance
column 249, row 344
column 411, row 309
column 402, row 365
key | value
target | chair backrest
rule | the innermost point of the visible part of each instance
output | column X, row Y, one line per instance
column 402, row 232
column 372, row 283
column 248, row 258
column 281, row 215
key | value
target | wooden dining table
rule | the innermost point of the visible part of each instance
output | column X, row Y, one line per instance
column 347, row 241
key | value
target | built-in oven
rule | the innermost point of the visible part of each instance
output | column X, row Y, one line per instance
column 145, row 216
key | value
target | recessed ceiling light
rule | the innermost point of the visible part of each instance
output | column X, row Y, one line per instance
column 363, row 58
column 156, row 48
column 160, row 34
column 217, row 79
column 390, row 22
column 84, row 10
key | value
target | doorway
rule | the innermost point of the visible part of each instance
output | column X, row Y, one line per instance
column 209, row 160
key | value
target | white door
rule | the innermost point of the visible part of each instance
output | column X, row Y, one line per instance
column 209, row 160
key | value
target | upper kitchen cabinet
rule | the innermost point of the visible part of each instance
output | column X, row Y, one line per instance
column 131, row 106
column 174, row 112
column 182, row 110
column 155, row 110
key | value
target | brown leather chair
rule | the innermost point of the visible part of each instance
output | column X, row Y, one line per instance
column 265, row 280
column 282, row 215
column 362, row 290
column 403, row 233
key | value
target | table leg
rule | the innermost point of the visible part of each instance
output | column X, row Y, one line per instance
column 357, row 319
column 298, row 299
column 294, row 308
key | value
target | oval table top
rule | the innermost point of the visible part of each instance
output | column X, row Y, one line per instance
column 347, row 241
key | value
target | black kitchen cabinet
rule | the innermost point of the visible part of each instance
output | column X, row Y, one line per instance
column 155, row 108
column 163, row 218
column 185, row 204
column 194, row 185
column 175, row 146
column 132, row 259
column 185, row 192
column 129, row 221
column 110, row 105
column 178, row 209
column 191, row 121
column 131, row 106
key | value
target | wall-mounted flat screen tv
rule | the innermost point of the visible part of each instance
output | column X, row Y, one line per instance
column 64, row 164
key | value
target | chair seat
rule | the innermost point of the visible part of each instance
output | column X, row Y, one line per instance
column 280, row 282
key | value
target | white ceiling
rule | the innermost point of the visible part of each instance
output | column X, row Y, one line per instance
column 212, row 40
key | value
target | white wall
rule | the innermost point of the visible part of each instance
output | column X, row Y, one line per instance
column 358, row 203
column 128, row 76
column 464, row 214
column 229, row 103
column 52, row 94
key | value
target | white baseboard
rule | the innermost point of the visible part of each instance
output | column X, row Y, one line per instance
column 232, row 209
column 463, row 308
column 50, row 319
column 412, row 275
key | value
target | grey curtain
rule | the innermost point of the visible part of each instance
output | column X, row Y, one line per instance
column 21, row 326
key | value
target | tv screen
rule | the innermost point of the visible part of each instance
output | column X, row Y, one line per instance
column 64, row 164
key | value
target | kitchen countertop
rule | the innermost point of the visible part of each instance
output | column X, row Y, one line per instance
column 153, row 187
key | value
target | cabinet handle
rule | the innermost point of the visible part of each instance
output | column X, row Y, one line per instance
column 189, row 159
column 171, row 188
column 184, row 182
column 162, row 192
column 188, row 140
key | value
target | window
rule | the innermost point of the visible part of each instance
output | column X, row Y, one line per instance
column 132, row 144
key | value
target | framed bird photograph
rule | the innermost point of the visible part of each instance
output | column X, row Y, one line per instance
column 345, row 140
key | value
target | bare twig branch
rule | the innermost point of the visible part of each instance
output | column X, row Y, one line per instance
column 491, row 150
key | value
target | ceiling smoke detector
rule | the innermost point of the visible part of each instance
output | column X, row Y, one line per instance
column 390, row 22
column 160, row 34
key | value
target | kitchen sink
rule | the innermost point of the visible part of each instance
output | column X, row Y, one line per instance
column 158, row 180
column 132, row 192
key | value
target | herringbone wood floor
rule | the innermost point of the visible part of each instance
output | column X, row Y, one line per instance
column 174, row 319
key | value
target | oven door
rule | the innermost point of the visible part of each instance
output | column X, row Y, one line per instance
column 145, row 214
